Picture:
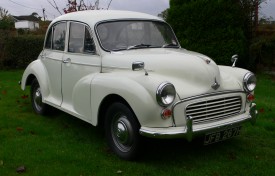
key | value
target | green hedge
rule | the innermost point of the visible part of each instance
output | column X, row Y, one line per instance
column 214, row 28
column 19, row 51
column 262, row 51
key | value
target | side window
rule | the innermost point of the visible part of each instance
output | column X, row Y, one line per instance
column 80, row 40
column 59, row 34
column 89, row 46
column 76, row 39
column 48, row 44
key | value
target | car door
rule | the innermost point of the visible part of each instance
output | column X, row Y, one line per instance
column 80, row 60
column 52, row 57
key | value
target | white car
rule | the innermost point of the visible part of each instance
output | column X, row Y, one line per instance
column 126, row 72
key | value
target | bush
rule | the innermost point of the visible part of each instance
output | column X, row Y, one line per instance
column 6, row 24
column 20, row 51
column 214, row 28
column 262, row 51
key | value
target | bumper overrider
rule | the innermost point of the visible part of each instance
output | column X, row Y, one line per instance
column 190, row 131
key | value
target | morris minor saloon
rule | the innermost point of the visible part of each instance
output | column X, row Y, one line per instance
column 126, row 72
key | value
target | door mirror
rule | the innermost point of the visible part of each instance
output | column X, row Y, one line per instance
column 234, row 59
column 138, row 65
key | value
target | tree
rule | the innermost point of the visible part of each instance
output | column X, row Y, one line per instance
column 163, row 14
column 6, row 21
column 3, row 13
column 209, row 27
column 73, row 6
column 35, row 14
column 218, row 29
column 250, row 13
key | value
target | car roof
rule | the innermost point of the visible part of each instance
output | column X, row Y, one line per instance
column 92, row 17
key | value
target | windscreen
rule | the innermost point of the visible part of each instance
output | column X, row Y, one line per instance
column 123, row 35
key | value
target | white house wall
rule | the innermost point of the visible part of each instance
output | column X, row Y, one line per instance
column 26, row 25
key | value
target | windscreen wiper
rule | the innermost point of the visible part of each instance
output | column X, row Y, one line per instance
column 118, row 49
column 139, row 46
column 170, row 45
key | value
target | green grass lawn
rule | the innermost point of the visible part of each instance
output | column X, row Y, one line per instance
column 63, row 145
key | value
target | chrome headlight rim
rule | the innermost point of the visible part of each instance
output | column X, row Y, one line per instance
column 166, row 100
column 249, row 78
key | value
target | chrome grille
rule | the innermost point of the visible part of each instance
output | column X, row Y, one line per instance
column 214, row 110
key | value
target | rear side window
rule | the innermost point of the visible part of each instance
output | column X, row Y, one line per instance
column 80, row 40
column 76, row 39
column 48, row 44
column 59, row 34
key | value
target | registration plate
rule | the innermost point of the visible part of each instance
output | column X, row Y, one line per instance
column 221, row 135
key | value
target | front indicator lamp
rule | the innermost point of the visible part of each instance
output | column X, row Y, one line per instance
column 166, row 114
column 250, row 97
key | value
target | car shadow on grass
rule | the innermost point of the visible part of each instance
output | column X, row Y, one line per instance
column 169, row 150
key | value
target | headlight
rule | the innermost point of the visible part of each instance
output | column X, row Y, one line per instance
column 165, row 94
column 249, row 82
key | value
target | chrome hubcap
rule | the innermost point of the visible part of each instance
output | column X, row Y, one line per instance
column 122, row 133
column 37, row 97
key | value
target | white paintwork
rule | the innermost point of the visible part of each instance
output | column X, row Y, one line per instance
column 80, row 86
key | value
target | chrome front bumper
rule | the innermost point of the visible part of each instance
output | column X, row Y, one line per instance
column 190, row 131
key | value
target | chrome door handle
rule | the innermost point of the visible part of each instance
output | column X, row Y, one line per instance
column 65, row 61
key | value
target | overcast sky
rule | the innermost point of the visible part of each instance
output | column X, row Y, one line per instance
column 26, row 7
column 154, row 7
column 268, row 9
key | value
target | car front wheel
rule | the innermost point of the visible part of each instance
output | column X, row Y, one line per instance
column 122, row 131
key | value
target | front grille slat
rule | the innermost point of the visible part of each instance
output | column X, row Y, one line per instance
column 214, row 118
column 228, row 105
column 213, row 102
column 214, row 110
column 207, row 114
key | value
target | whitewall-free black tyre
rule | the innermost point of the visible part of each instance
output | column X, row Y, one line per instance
column 122, row 131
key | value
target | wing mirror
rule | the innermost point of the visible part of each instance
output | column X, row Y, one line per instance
column 234, row 59
column 138, row 65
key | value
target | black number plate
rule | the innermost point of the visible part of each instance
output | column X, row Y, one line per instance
column 221, row 135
